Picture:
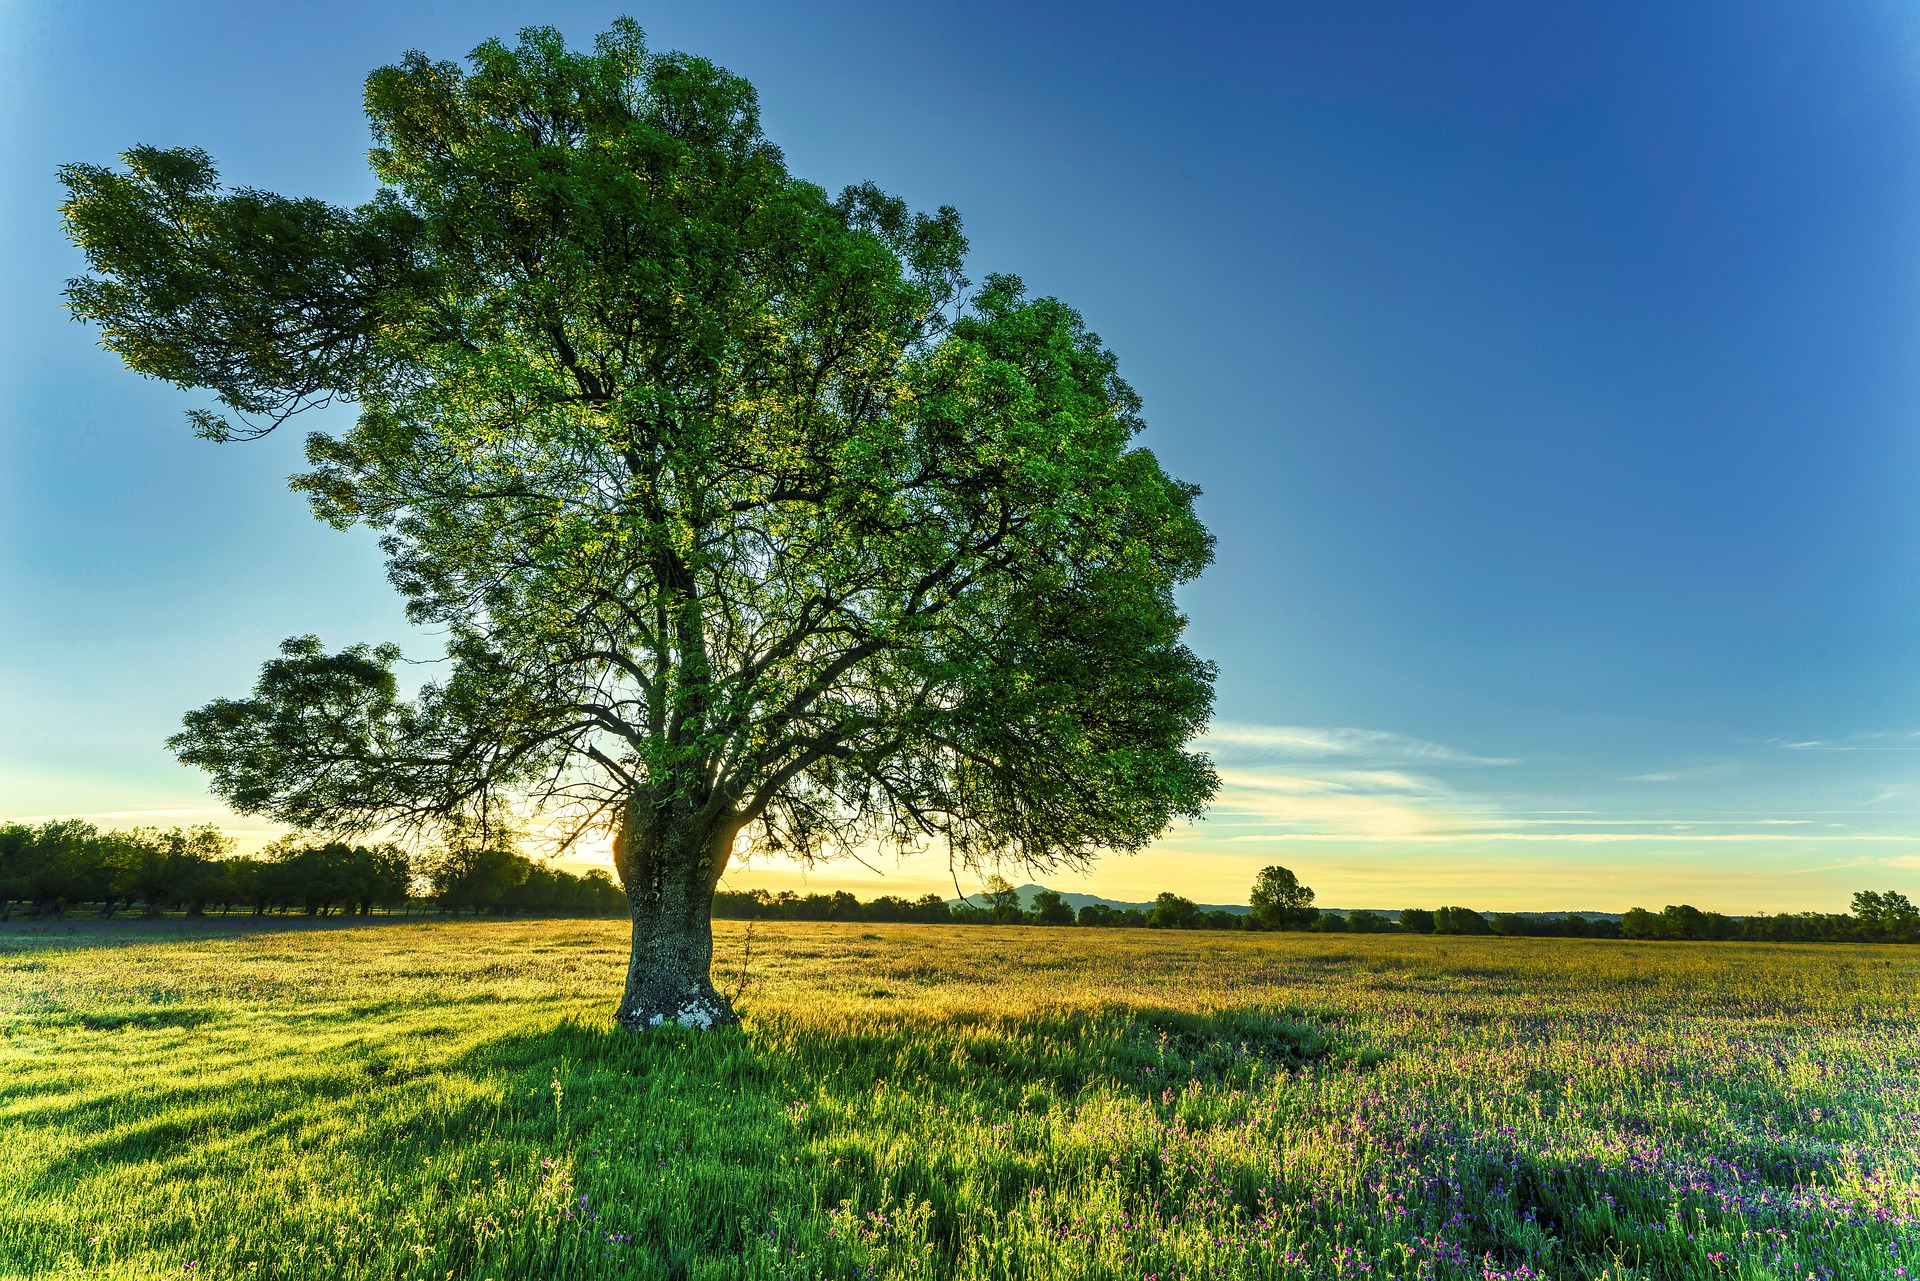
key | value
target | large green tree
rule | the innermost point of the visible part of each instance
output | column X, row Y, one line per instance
column 1280, row 901
column 750, row 522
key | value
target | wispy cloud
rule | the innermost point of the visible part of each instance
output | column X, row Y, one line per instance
column 1891, row 740
column 1302, row 784
column 1307, row 779
column 1376, row 804
column 1716, row 772
column 1327, row 743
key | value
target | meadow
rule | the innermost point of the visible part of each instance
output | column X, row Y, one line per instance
column 448, row 1100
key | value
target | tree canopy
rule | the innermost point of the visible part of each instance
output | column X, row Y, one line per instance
column 741, row 508
column 1280, row 901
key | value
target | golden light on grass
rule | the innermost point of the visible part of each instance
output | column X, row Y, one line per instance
column 435, row 1099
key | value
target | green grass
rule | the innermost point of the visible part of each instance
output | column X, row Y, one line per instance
column 441, row 1100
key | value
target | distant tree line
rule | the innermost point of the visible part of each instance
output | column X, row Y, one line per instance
column 1886, row 917
column 999, row 904
column 69, row 864
column 1281, row 902
column 57, row 867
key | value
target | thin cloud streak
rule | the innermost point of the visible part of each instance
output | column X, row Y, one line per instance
column 1306, row 784
column 1900, row 740
column 1310, row 742
column 1693, row 774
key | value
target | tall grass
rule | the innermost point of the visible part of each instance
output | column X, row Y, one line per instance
column 441, row 1101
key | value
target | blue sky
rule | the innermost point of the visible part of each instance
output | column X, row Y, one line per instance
column 1551, row 373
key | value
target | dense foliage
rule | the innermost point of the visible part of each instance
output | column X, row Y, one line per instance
column 1877, row 917
column 1280, row 901
column 746, row 516
column 60, row 866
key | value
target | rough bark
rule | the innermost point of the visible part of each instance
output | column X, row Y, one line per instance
column 670, row 864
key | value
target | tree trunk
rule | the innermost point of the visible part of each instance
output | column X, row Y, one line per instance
column 670, row 864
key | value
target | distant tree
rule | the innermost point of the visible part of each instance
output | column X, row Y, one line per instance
column 16, row 846
column 167, row 869
column 1221, row 919
column 931, row 908
column 1416, row 920
column 382, row 876
column 1364, row 922
column 60, row 865
column 1639, row 923
column 746, row 518
column 1683, row 921
column 1512, row 925
column 1678, row 921
column 476, row 868
column 200, row 867
column 1003, row 900
column 1459, row 920
column 313, row 877
column 1172, row 912
column 1050, row 909
column 1887, row 917
column 601, row 894
column 1281, row 902
column 1331, row 923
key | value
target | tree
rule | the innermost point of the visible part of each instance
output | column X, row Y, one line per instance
column 1050, row 909
column 476, row 867
column 1890, row 917
column 1639, row 923
column 164, row 869
column 1511, row 925
column 16, row 849
column 744, row 519
column 57, row 865
column 1281, row 902
column 1416, row 920
column 377, row 876
column 1172, row 912
column 1003, row 900
column 1458, row 920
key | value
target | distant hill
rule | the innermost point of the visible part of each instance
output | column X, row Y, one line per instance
column 1078, row 901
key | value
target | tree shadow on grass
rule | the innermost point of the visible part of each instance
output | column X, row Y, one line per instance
column 1068, row 1050
column 701, row 1147
column 763, row 1093
column 700, row 1144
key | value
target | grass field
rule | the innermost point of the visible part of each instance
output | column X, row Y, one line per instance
column 441, row 1100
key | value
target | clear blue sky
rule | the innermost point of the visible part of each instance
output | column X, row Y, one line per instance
column 1552, row 374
